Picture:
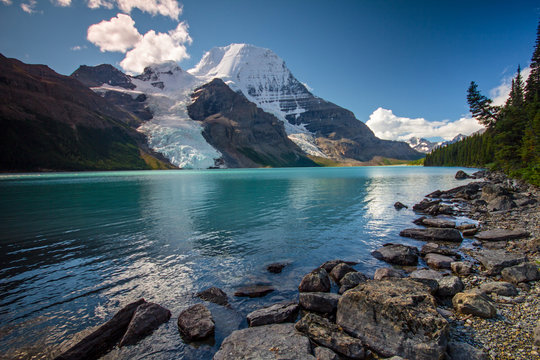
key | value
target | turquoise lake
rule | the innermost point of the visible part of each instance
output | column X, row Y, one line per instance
column 76, row 247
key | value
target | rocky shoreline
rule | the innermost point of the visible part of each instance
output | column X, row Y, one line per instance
column 471, row 292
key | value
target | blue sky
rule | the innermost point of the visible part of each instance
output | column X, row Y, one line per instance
column 403, row 63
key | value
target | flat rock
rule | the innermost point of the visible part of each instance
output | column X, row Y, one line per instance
column 474, row 302
column 268, row 342
column 351, row 280
column 439, row 223
column 499, row 287
column 449, row 286
column 501, row 203
column 274, row 314
column 430, row 278
column 501, row 235
column 214, row 295
column 466, row 227
column 315, row 281
column 397, row 254
column 521, row 273
column 434, row 248
column 254, row 291
column 458, row 350
column 496, row 260
column 433, row 234
column 394, row 317
column 462, row 268
column 319, row 301
column 385, row 273
column 329, row 335
column 196, row 323
column 276, row 268
column 438, row 261
column 145, row 320
column 339, row 271
column 323, row 353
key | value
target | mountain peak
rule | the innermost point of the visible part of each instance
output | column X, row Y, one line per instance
column 152, row 72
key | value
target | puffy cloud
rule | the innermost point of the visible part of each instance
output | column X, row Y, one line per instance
column 169, row 8
column 29, row 7
column 501, row 92
column 62, row 3
column 388, row 126
column 117, row 34
column 95, row 4
column 155, row 48
column 6, row 2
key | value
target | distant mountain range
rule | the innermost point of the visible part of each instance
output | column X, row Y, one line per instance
column 240, row 106
column 425, row 146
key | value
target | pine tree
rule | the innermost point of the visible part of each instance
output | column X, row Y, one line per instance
column 532, row 89
column 481, row 107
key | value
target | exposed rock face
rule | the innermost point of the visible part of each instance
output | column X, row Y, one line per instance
column 274, row 314
column 146, row 319
column 315, row 281
column 319, row 301
column 339, row 271
column 214, row 295
column 327, row 334
column 243, row 133
column 397, row 254
column 500, row 288
column 268, row 342
column 501, row 235
column 433, row 234
column 474, row 302
column 254, row 291
column 521, row 273
column 196, row 323
column 94, row 76
column 496, row 260
column 351, row 280
column 395, row 317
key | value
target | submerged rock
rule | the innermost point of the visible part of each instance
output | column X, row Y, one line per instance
column 145, row 320
column 214, row 295
column 196, row 323
column 254, row 291
column 276, row 268
column 274, row 314
column 397, row 254
column 315, row 281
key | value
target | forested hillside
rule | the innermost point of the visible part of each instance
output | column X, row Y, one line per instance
column 511, row 142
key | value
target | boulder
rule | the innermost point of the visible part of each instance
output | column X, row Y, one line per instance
column 425, row 204
column 501, row 203
column 458, row 350
column 329, row 335
column 394, row 317
column 469, row 232
column 214, row 295
column 145, row 320
column 433, row 234
column 276, row 268
column 274, row 314
column 329, row 265
column 521, row 273
column 268, row 342
column 474, row 302
column 449, row 286
column 462, row 268
column 351, row 280
column 501, row 235
column 461, row 175
column 502, row 288
column 315, row 281
column 492, row 191
column 196, row 323
column 438, row 261
column 339, row 271
column 397, row 254
column 419, row 221
column 430, row 278
column 439, row 223
column 385, row 273
column 438, row 249
column 400, row 206
column 466, row 227
column 319, row 301
column 322, row 353
column 496, row 260
column 254, row 291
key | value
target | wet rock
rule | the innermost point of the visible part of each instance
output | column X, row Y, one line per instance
column 419, row 221
column 439, row 249
column 196, row 323
column 466, row 227
column 462, row 268
column 435, row 194
column 474, row 302
column 400, row 206
column 461, row 175
column 501, row 235
column 254, row 291
column 439, row 223
column 276, row 268
column 329, row 335
column 351, row 280
column 394, row 317
column 521, row 273
column 499, row 287
column 103, row 338
column 496, row 260
column 449, row 286
column 329, row 265
column 438, row 261
column 274, row 314
column 268, row 342
column 425, row 204
column 339, row 271
column 145, row 320
column 397, row 254
column 385, row 273
column 469, row 232
column 214, row 295
column 433, row 234
column 458, row 350
column 319, row 301
column 315, row 281
column 322, row 353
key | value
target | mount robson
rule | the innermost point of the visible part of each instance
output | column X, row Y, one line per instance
column 240, row 106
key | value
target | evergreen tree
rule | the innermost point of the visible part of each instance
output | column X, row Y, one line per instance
column 532, row 89
column 481, row 107
column 518, row 97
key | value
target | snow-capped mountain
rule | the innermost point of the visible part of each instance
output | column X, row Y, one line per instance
column 422, row 145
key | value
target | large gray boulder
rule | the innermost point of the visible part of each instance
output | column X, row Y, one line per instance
column 145, row 320
column 449, row 286
column 397, row 254
column 434, row 248
column 351, row 280
column 394, row 317
column 433, row 234
column 438, row 261
column 384, row 273
column 274, row 314
column 196, row 323
column 521, row 273
column 339, row 271
column 268, row 342
column 501, row 203
column 501, row 234
column 499, row 287
column 462, row 268
column 474, row 302
column 319, row 301
column 315, row 281
column 214, row 295
column 329, row 335
column 496, row 260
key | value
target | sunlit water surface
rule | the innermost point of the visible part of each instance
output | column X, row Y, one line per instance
column 76, row 247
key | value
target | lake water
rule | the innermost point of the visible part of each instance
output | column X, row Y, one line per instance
column 76, row 247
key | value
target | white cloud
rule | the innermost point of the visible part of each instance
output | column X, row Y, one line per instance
column 117, row 34
column 6, row 2
column 169, row 8
column 29, row 7
column 62, row 3
column 155, row 48
column 388, row 126
column 499, row 95
column 77, row 47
